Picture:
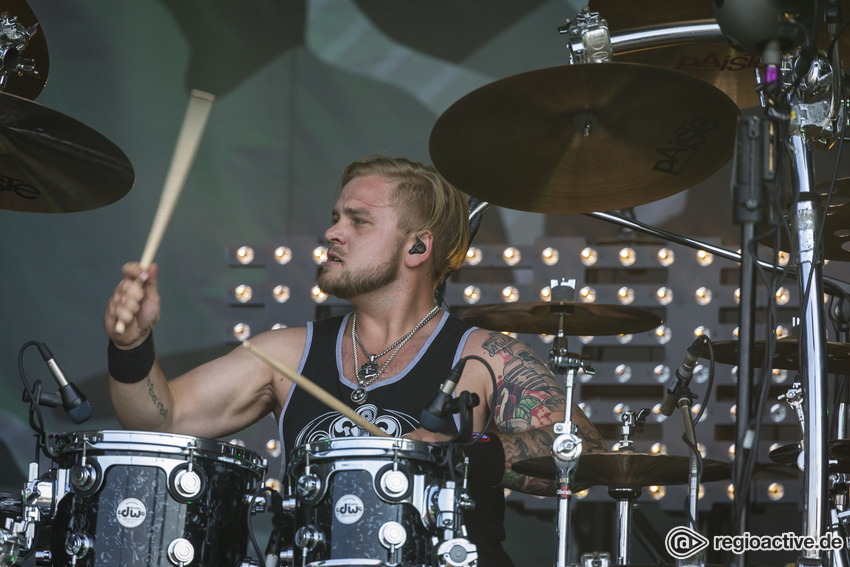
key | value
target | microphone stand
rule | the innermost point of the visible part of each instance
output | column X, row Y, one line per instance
column 566, row 448
column 685, row 405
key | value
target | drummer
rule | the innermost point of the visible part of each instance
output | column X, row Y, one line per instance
column 397, row 227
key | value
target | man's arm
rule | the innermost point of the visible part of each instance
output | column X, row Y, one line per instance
column 528, row 402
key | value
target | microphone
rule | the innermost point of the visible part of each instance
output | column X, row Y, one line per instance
column 74, row 402
column 683, row 376
column 434, row 414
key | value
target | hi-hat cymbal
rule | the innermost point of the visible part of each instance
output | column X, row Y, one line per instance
column 51, row 163
column 584, row 138
column 786, row 356
column 625, row 469
column 541, row 318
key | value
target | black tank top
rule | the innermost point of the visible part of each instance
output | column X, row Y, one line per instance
column 393, row 405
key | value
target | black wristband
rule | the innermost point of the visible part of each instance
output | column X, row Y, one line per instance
column 486, row 460
column 131, row 366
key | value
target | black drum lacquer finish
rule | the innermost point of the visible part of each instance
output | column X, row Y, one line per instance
column 136, row 516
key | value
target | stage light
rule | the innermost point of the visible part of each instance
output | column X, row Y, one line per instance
column 510, row 294
column 782, row 332
column 700, row 491
column 695, row 410
column 318, row 295
column 730, row 492
column 587, row 294
column 625, row 295
column 244, row 255
column 778, row 413
column 589, row 256
column 731, row 452
column 665, row 257
column 277, row 326
column 735, row 332
column 581, row 494
column 584, row 377
column 320, row 254
column 658, row 449
column 547, row 339
column 474, row 256
column 627, row 256
column 782, row 258
column 704, row 258
column 625, row 339
column 274, row 484
column 586, row 409
column 663, row 334
column 700, row 374
column 783, row 296
column 775, row 491
column 623, row 372
column 281, row 293
column 511, row 256
column 550, row 256
column 661, row 373
column 273, row 448
column 657, row 492
column 282, row 254
column 664, row 295
column 703, row 296
column 241, row 331
column 243, row 293
column 618, row 411
column 472, row 294
column 779, row 375
column 733, row 412
column 703, row 452
column 586, row 339
column 546, row 294
column 656, row 413
column 733, row 374
column 701, row 330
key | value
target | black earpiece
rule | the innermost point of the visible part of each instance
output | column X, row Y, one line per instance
column 418, row 248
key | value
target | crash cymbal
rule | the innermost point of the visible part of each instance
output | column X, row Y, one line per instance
column 786, row 357
column 541, row 318
column 836, row 234
column 28, row 83
column 625, row 469
column 51, row 163
column 584, row 138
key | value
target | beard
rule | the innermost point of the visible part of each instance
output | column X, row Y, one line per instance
column 350, row 284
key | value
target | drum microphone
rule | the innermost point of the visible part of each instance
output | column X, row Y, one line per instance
column 434, row 415
column 74, row 402
column 683, row 376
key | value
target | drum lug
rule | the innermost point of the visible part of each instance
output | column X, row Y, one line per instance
column 393, row 483
column 43, row 558
column 309, row 487
column 187, row 483
column 77, row 545
column 181, row 552
column 309, row 537
column 87, row 478
column 392, row 535
column 457, row 552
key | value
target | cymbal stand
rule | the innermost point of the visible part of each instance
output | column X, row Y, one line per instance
column 566, row 448
column 626, row 496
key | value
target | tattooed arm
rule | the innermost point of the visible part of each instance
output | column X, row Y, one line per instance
column 528, row 402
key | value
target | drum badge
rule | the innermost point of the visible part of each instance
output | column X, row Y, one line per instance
column 130, row 512
column 348, row 509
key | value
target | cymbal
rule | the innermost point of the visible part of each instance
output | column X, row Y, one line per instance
column 786, row 356
column 838, row 452
column 28, row 84
column 51, row 163
column 541, row 318
column 584, row 138
column 626, row 469
column 836, row 220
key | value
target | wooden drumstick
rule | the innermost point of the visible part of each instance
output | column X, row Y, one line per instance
column 200, row 104
column 316, row 391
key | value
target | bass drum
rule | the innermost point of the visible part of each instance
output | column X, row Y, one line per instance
column 143, row 499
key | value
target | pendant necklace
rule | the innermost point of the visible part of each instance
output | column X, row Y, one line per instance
column 369, row 372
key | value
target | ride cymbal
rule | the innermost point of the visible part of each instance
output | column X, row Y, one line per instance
column 626, row 469
column 786, row 355
column 584, row 138
column 541, row 318
column 50, row 163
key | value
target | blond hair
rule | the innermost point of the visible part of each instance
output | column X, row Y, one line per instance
column 425, row 202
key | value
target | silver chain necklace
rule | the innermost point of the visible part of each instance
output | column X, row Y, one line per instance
column 369, row 372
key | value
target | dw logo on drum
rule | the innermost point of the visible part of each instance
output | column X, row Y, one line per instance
column 349, row 509
column 130, row 512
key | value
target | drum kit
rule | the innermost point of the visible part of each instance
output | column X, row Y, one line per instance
column 540, row 141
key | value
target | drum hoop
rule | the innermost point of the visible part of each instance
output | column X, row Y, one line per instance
column 365, row 447
column 155, row 442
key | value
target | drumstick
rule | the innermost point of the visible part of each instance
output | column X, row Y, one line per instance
column 316, row 391
column 200, row 104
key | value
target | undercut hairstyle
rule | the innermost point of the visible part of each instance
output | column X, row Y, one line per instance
column 425, row 202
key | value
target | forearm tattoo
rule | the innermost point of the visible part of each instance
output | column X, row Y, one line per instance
column 159, row 405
